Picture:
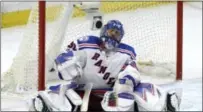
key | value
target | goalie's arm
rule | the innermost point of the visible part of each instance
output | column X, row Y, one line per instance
column 70, row 62
column 68, row 66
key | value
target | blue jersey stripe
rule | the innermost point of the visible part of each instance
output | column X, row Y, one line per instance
column 89, row 42
column 132, row 56
column 126, row 49
column 88, row 48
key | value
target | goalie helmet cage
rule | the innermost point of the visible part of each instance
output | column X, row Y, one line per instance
column 44, row 14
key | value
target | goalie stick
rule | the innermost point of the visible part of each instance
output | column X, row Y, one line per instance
column 85, row 101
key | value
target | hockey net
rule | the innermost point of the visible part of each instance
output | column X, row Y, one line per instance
column 150, row 27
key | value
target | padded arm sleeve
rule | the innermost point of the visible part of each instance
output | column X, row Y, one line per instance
column 70, row 63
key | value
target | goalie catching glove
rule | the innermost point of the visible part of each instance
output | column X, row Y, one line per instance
column 118, row 101
column 122, row 97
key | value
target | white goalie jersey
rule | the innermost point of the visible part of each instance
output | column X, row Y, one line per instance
column 95, row 65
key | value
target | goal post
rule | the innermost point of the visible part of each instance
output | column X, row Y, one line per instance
column 154, row 29
column 179, row 59
column 41, row 48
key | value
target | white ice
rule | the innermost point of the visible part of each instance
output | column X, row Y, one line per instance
column 192, row 60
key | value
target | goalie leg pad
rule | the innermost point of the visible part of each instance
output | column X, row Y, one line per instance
column 149, row 97
column 74, row 97
column 49, row 101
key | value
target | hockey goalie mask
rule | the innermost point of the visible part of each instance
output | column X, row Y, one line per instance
column 111, row 34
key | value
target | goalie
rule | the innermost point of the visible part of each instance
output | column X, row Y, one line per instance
column 104, row 62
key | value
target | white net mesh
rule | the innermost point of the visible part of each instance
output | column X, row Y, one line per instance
column 23, row 73
column 150, row 30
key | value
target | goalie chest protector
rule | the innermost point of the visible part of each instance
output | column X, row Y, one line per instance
column 101, row 68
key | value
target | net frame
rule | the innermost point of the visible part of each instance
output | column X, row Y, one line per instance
column 42, row 49
column 42, row 29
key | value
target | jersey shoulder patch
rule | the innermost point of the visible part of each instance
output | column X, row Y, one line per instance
column 88, row 42
column 126, row 49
